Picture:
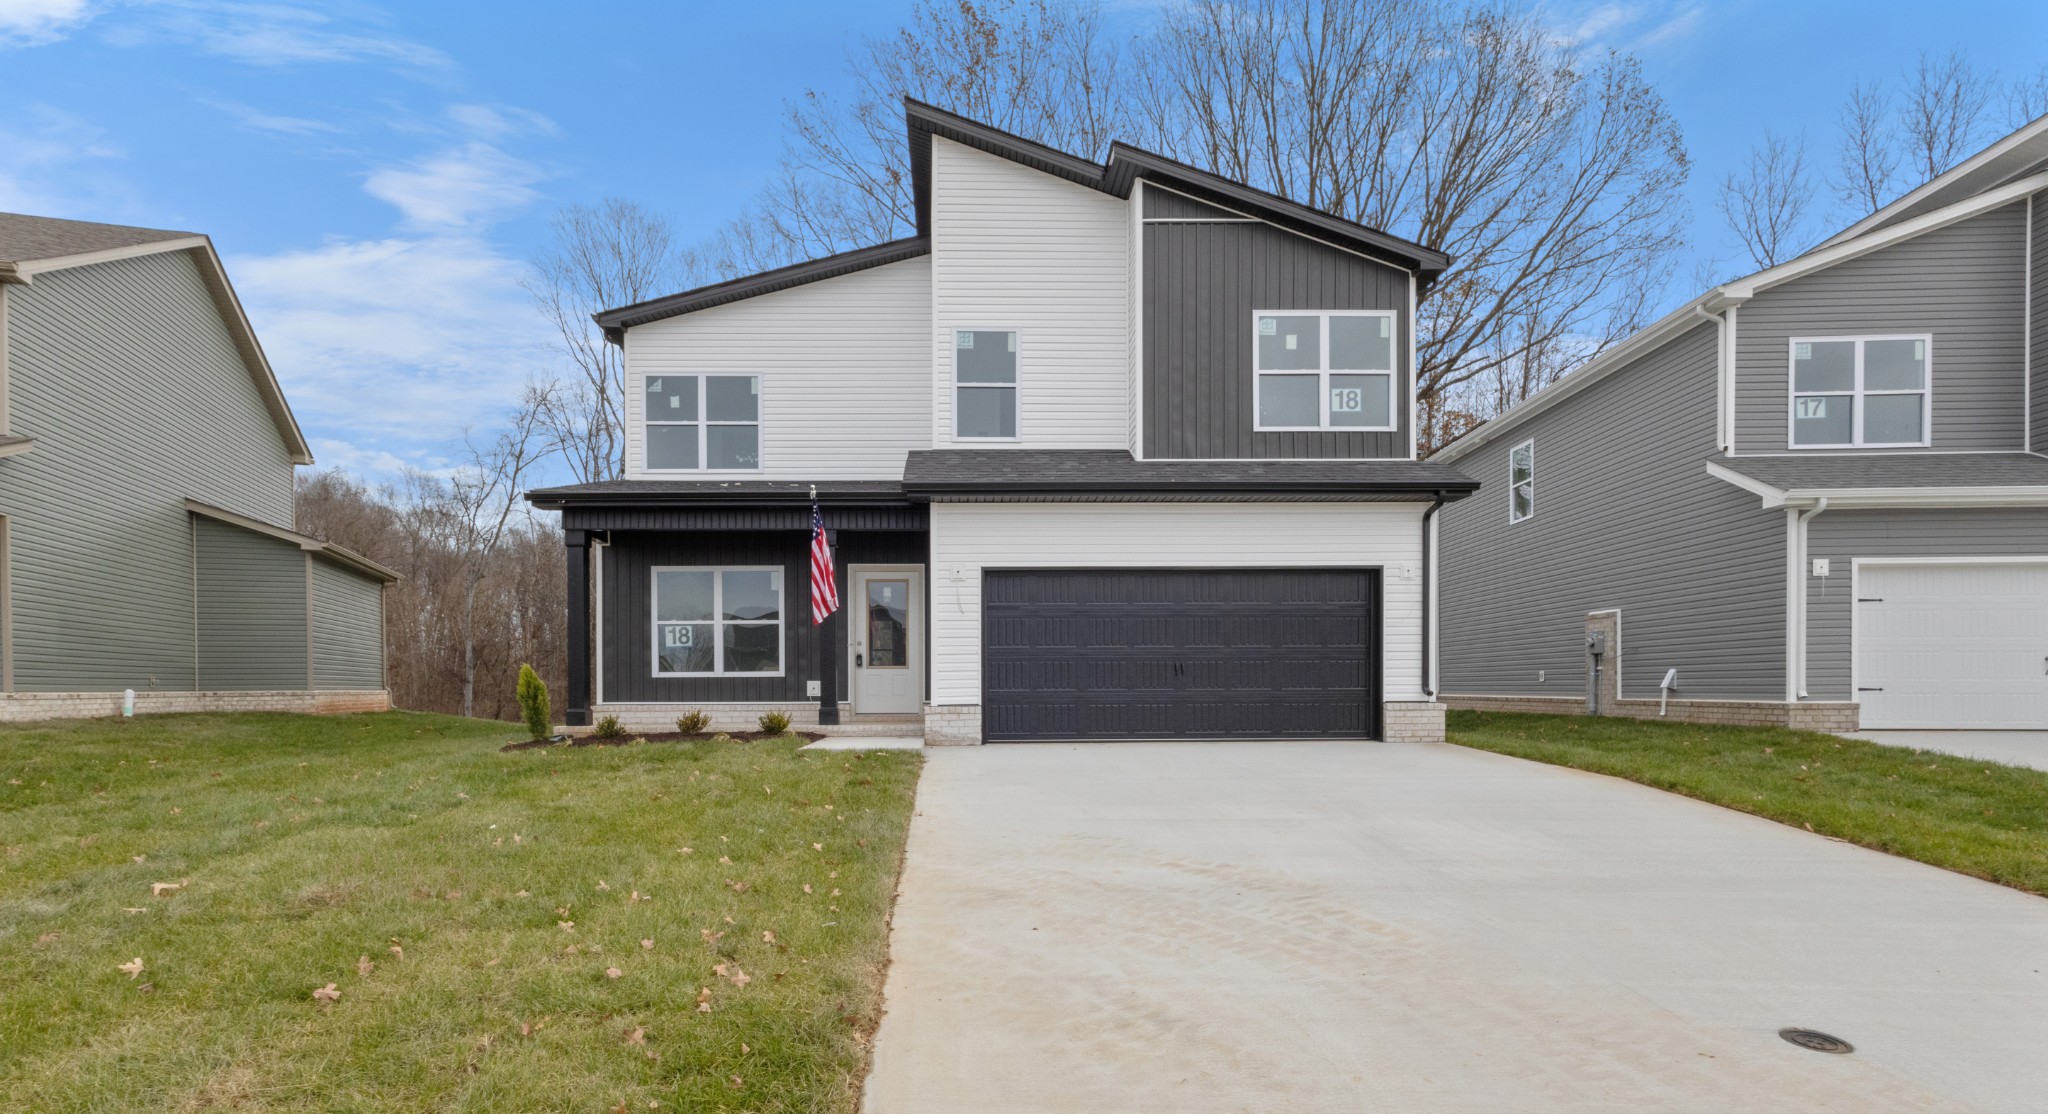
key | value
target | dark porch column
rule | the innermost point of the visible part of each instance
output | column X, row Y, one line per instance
column 577, row 543
column 831, row 635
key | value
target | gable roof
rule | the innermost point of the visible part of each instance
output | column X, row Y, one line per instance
column 31, row 245
column 1126, row 166
column 2021, row 153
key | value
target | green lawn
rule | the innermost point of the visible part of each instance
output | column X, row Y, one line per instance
column 506, row 932
column 1964, row 814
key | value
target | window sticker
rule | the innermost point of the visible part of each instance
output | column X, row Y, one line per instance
column 1268, row 327
column 1011, row 338
column 1291, row 338
column 654, row 385
column 675, row 402
column 1346, row 400
column 1813, row 408
column 1919, row 349
column 1802, row 351
column 1383, row 326
column 966, row 339
column 675, row 638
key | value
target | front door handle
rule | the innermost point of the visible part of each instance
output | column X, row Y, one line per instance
column 858, row 661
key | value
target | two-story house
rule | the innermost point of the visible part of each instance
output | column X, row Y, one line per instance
column 1814, row 496
column 146, row 465
column 1106, row 451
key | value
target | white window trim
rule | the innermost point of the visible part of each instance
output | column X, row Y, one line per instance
column 717, row 622
column 1323, row 374
column 1016, row 388
column 1856, row 394
column 703, row 423
column 1513, row 518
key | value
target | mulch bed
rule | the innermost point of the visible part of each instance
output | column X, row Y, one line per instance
column 668, row 737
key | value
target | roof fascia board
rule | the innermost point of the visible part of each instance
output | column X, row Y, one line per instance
column 15, row 446
column 1968, row 166
column 1878, row 498
column 1772, row 496
column 309, row 544
column 1825, row 257
column 29, row 268
column 615, row 322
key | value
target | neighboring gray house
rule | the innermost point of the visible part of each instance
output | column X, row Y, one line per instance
column 1818, row 493
column 1109, row 451
column 146, row 465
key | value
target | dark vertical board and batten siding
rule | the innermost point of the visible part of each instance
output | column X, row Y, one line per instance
column 627, row 645
column 1841, row 536
column 138, row 400
column 253, row 633
column 1203, row 282
column 1963, row 284
column 348, row 628
column 1164, row 204
column 1626, row 517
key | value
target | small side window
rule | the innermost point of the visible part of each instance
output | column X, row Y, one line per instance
column 985, row 384
column 1522, row 481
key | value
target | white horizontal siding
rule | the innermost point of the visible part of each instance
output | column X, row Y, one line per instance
column 1015, row 248
column 844, row 366
column 967, row 537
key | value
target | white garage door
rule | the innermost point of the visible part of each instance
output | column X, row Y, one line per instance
column 1952, row 645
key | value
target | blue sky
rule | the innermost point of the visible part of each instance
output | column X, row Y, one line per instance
column 376, row 175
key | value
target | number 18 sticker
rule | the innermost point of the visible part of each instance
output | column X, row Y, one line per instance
column 1346, row 400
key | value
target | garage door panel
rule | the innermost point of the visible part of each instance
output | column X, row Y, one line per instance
column 1145, row 654
column 1952, row 645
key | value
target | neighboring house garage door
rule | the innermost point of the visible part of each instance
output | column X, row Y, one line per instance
column 1179, row 654
column 1952, row 645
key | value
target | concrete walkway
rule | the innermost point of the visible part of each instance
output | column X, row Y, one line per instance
column 1387, row 927
column 2014, row 748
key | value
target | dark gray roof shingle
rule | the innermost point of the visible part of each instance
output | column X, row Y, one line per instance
column 1869, row 470
column 24, row 238
column 932, row 472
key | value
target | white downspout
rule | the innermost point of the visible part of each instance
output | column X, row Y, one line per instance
column 1799, row 522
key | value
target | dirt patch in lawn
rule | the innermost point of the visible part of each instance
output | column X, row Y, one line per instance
column 667, row 737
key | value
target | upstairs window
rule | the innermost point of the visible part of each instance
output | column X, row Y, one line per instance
column 1324, row 370
column 985, row 384
column 713, row 622
column 1858, row 392
column 703, row 423
column 1522, row 481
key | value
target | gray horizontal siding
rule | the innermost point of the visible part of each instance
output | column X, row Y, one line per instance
column 252, row 609
column 1203, row 283
column 1841, row 536
column 1626, row 517
column 1964, row 284
column 137, row 399
column 627, row 645
column 348, row 629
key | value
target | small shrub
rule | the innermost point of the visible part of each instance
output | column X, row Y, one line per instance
column 533, row 703
column 609, row 727
column 693, row 722
column 774, row 723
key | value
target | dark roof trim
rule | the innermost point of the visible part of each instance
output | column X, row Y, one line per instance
column 615, row 322
column 694, row 493
column 942, row 490
column 1127, row 164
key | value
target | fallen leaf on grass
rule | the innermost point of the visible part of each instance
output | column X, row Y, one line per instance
column 567, row 926
column 47, row 938
column 817, row 847
column 704, row 999
column 130, row 909
column 744, row 1050
column 612, row 972
column 711, row 937
column 137, row 858
column 132, row 968
column 601, row 887
column 636, row 1035
column 768, row 937
column 737, row 1083
column 364, row 966
column 807, row 887
column 397, row 951
column 639, row 897
column 725, row 860
column 327, row 994
column 647, row 945
column 685, row 851
column 146, row 988
column 737, row 887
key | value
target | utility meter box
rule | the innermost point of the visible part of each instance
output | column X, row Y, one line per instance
column 1596, row 642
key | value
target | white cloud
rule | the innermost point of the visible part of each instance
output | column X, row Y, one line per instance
column 36, row 22
column 487, row 121
column 396, row 343
column 276, row 34
column 53, row 164
column 255, row 119
column 456, row 188
column 1626, row 25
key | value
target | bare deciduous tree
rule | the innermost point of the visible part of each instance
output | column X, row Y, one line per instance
column 1889, row 145
column 2026, row 100
column 1765, row 202
column 611, row 254
column 1944, row 104
column 1867, row 162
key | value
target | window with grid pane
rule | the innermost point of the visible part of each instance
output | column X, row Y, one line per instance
column 1857, row 392
column 714, row 622
column 1324, row 370
column 708, row 423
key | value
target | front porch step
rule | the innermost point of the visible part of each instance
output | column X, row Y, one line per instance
column 874, row 726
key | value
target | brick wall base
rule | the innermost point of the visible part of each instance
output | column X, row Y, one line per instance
column 952, row 725
column 20, row 707
column 649, row 719
column 1412, row 721
column 1814, row 715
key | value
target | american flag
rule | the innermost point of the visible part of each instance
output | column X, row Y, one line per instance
column 824, row 587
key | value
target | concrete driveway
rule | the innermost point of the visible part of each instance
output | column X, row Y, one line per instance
column 2014, row 748
column 1388, row 927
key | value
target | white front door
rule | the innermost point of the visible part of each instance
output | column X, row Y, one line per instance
column 1952, row 644
column 885, row 625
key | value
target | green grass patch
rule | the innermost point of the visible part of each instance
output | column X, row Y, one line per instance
column 1964, row 814
column 481, row 915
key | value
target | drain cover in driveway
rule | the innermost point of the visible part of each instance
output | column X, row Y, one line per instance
column 1816, row 1040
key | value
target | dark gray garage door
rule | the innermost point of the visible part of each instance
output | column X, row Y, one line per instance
column 1179, row 654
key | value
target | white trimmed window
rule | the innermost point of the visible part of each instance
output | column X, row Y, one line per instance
column 1324, row 370
column 1522, row 481
column 985, row 384
column 717, row 622
column 702, row 423
column 1857, row 392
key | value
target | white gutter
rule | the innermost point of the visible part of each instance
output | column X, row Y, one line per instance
column 1877, row 498
column 1724, row 374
